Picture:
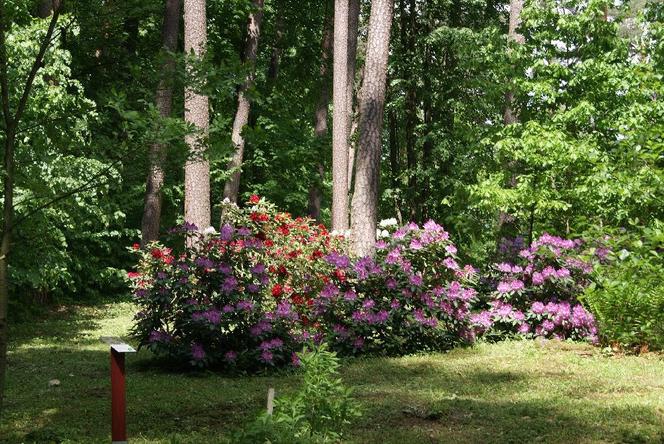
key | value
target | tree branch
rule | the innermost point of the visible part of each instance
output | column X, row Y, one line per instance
column 57, row 7
column 4, row 83
column 89, row 185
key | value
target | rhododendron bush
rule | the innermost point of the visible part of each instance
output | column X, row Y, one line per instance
column 251, row 294
column 537, row 294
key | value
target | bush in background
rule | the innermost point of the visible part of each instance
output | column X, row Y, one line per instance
column 538, row 294
column 250, row 295
column 628, row 294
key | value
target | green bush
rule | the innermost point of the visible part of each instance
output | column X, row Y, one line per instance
column 318, row 413
column 628, row 295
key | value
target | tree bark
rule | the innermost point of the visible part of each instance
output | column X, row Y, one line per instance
column 320, row 123
column 516, row 6
column 507, row 223
column 372, row 103
column 340, row 118
column 197, row 167
column 45, row 8
column 11, row 125
column 353, row 29
column 232, row 186
column 407, row 37
column 164, row 100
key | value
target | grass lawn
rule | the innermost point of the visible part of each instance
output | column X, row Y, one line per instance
column 512, row 392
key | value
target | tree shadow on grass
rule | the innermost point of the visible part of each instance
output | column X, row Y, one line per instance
column 421, row 402
column 65, row 324
column 404, row 402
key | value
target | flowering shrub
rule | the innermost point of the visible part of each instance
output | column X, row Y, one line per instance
column 251, row 294
column 537, row 295
column 409, row 297
column 208, row 305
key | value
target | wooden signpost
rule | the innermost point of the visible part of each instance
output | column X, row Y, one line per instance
column 118, row 396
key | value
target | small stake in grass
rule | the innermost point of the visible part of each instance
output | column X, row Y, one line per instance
column 270, row 401
column 118, row 398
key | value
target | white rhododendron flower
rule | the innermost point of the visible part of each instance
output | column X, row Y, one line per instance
column 387, row 222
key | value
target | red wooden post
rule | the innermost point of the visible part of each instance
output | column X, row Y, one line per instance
column 118, row 399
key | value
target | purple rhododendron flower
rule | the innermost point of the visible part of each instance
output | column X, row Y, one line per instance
column 258, row 269
column 516, row 285
column 338, row 260
column 197, row 352
column 266, row 356
column 329, row 290
column 245, row 305
column 226, row 232
column 204, row 262
column 450, row 263
column 548, row 325
column 482, row 319
column 350, row 295
column 537, row 307
column 415, row 280
column 230, row 356
column 504, row 287
column 538, row 278
column 563, row 273
column 243, row 231
column 393, row 256
column 229, row 285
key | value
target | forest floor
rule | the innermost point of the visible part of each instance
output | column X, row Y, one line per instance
column 523, row 391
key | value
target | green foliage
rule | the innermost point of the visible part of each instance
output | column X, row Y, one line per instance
column 318, row 413
column 628, row 296
column 66, row 224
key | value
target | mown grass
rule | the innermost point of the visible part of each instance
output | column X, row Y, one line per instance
column 510, row 392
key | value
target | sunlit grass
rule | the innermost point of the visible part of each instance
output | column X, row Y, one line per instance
column 509, row 392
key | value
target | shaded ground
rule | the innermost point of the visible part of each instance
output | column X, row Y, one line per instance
column 511, row 392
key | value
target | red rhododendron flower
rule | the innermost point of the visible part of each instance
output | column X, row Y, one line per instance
column 254, row 199
column 136, row 246
column 268, row 243
column 133, row 274
column 277, row 290
column 157, row 253
column 283, row 229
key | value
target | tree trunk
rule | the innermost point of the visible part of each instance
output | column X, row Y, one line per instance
column 45, row 8
column 353, row 29
column 320, row 124
column 407, row 37
column 11, row 123
column 516, row 6
column 277, row 50
column 340, row 118
column 394, row 162
column 372, row 104
column 507, row 223
column 197, row 167
column 163, row 100
column 232, row 186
